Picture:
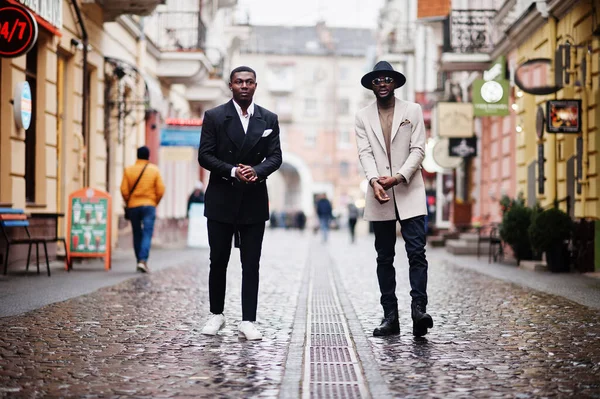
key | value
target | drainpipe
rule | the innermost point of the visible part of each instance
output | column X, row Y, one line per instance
column 85, row 91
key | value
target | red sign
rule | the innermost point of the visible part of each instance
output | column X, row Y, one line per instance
column 18, row 30
column 183, row 122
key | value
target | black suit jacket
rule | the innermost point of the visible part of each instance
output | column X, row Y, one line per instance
column 224, row 145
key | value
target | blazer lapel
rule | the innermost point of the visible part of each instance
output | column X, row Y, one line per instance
column 256, row 128
column 373, row 117
column 399, row 111
column 233, row 126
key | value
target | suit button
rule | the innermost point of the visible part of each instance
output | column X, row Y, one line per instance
column 387, row 167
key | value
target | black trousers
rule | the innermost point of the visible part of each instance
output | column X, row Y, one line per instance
column 413, row 232
column 219, row 238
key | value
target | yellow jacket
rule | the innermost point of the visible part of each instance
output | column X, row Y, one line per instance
column 148, row 191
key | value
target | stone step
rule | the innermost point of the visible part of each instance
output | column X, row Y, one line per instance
column 463, row 247
column 436, row 241
column 470, row 237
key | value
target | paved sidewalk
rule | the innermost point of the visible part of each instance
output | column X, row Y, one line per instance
column 141, row 338
column 120, row 334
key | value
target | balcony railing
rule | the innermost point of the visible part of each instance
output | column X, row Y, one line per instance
column 177, row 31
column 469, row 31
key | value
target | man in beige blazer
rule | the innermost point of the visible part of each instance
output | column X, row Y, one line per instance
column 390, row 135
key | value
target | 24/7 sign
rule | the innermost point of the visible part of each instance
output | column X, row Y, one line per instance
column 18, row 30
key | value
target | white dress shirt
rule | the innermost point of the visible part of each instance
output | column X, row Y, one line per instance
column 245, row 119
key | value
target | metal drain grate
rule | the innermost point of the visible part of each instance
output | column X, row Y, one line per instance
column 331, row 366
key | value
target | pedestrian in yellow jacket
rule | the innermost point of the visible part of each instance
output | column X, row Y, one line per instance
column 142, row 189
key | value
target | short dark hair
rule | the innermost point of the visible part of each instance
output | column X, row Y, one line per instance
column 242, row 69
column 143, row 153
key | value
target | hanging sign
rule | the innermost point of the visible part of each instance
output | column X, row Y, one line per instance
column 490, row 98
column 563, row 116
column 455, row 119
column 531, row 77
column 441, row 156
column 22, row 105
column 463, row 148
column 89, row 225
column 18, row 31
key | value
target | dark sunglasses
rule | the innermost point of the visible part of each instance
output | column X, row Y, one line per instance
column 387, row 80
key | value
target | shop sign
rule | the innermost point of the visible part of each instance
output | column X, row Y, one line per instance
column 441, row 155
column 89, row 225
column 563, row 116
column 532, row 77
column 539, row 122
column 22, row 105
column 455, row 119
column 18, row 30
column 490, row 98
column 463, row 148
column 51, row 11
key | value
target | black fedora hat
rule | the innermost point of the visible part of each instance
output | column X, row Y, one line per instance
column 382, row 67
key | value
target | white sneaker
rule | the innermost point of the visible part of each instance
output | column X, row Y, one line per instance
column 248, row 330
column 142, row 267
column 214, row 324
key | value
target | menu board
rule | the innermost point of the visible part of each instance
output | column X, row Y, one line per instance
column 89, row 224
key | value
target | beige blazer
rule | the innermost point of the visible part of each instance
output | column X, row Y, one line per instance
column 408, row 151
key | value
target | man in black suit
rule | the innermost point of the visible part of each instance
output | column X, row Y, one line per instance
column 240, row 147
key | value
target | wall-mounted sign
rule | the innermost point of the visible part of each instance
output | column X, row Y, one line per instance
column 539, row 122
column 455, row 119
column 463, row 148
column 441, row 155
column 563, row 116
column 532, row 77
column 22, row 105
column 183, row 122
column 180, row 136
column 490, row 98
column 18, row 31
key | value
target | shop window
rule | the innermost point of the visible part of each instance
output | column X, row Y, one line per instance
column 31, row 65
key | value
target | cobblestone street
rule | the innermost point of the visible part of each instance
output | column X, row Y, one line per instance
column 141, row 338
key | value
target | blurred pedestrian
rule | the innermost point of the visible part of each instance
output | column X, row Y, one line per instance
column 300, row 220
column 142, row 189
column 325, row 214
column 197, row 196
column 240, row 147
column 390, row 136
column 352, row 218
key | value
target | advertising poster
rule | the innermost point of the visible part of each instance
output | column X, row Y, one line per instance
column 89, row 224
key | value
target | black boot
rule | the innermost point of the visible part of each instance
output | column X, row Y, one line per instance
column 389, row 325
column 421, row 320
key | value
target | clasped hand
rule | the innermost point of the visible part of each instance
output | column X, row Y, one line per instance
column 246, row 173
column 380, row 186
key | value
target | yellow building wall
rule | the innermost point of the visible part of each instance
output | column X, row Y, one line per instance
column 64, row 162
column 576, row 26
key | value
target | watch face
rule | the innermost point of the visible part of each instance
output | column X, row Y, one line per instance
column 491, row 91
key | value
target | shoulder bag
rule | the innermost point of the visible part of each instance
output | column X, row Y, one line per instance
column 127, row 209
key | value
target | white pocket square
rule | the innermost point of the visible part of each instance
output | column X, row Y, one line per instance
column 267, row 132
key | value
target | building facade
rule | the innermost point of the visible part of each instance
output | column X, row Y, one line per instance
column 104, row 77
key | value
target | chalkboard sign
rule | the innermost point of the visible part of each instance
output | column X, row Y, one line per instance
column 89, row 225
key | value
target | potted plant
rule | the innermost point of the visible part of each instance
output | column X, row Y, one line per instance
column 549, row 232
column 514, row 230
